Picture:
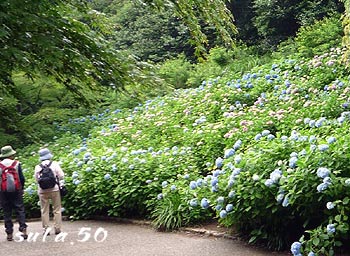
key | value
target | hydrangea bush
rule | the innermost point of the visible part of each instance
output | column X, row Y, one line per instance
column 266, row 152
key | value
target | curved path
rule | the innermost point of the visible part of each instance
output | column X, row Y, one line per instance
column 99, row 238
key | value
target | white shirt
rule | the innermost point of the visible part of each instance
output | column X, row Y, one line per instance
column 56, row 168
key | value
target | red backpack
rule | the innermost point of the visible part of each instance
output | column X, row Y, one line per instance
column 9, row 178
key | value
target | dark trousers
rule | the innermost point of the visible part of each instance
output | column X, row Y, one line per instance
column 13, row 201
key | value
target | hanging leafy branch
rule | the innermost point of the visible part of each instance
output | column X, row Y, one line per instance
column 42, row 37
column 195, row 12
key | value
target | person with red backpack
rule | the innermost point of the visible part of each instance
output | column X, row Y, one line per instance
column 11, row 191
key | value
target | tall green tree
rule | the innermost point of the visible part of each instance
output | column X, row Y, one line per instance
column 151, row 36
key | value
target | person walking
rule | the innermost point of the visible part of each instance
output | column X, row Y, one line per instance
column 48, row 192
column 11, row 191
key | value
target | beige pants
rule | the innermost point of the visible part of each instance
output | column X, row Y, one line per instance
column 45, row 209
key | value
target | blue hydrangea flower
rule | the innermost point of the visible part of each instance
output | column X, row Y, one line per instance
column 76, row 152
column 186, row 176
column 236, row 171
column 322, row 187
column 319, row 123
column 347, row 182
column 238, row 159
column 312, row 123
column 83, row 149
column 214, row 189
column 173, row 187
column 237, row 144
column 76, row 182
column 258, row 136
column 330, row 228
column 29, row 190
column 323, row 147
column 295, row 248
column 323, row 172
column 223, row 214
column 199, row 182
column 284, row 138
column 220, row 199
column 107, row 176
column 148, row 181
column 230, row 182
column 341, row 119
column 256, row 177
column 327, row 180
column 193, row 185
column 294, row 136
column 75, row 175
column 231, row 194
column 285, row 202
column 331, row 140
column 294, row 154
column 269, row 182
column 164, row 184
column 229, row 207
column 279, row 197
column 271, row 137
column 87, row 155
column 330, row 205
column 311, row 254
column 276, row 175
column 216, row 173
column 194, row 202
column 229, row 152
column 265, row 132
column 204, row 203
column 219, row 162
column 218, row 207
column 293, row 162
column 306, row 120
column 160, row 196
column 214, row 181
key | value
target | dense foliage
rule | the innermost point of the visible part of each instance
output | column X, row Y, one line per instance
column 151, row 36
column 66, row 45
column 275, row 21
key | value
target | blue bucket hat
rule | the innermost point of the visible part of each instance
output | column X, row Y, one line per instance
column 45, row 154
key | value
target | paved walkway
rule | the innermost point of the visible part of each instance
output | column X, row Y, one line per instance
column 97, row 238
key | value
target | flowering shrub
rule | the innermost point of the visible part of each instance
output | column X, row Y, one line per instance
column 266, row 152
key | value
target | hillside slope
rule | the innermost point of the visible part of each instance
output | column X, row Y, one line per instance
column 267, row 152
